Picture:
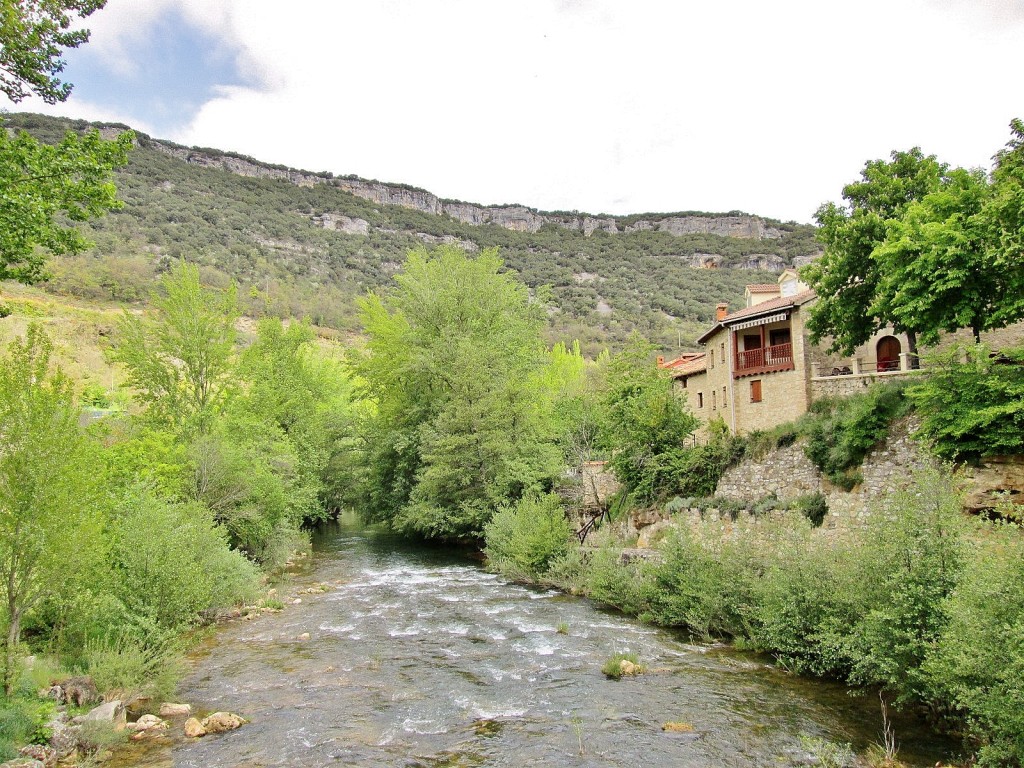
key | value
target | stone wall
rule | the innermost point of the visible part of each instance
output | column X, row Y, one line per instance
column 788, row 473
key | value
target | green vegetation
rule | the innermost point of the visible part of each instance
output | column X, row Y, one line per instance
column 120, row 538
column 921, row 603
column 922, row 249
column 528, row 536
column 454, row 371
column 972, row 403
column 622, row 665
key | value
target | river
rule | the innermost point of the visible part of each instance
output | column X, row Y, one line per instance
column 419, row 658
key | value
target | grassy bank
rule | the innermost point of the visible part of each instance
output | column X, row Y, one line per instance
column 923, row 603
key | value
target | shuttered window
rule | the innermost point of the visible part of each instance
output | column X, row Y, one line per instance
column 755, row 391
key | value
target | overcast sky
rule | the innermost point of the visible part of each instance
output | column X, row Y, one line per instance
column 593, row 105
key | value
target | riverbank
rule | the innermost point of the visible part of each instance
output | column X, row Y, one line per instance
column 417, row 655
column 921, row 604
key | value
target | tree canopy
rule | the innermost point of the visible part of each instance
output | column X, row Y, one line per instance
column 921, row 248
column 32, row 36
column 43, row 186
column 454, row 369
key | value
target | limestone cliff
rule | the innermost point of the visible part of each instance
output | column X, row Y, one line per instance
column 515, row 217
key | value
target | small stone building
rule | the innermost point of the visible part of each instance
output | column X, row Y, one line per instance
column 759, row 368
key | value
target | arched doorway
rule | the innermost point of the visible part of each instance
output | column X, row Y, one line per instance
column 888, row 353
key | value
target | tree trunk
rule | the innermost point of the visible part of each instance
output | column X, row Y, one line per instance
column 11, row 655
column 912, row 349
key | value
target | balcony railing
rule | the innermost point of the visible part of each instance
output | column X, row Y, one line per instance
column 778, row 355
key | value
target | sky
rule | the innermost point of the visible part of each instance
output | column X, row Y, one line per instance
column 600, row 106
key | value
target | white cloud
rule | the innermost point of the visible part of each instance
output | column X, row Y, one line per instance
column 600, row 105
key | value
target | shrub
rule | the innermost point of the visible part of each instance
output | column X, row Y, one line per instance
column 977, row 664
column 528, row 535
column 172, row 562
column 813, row 506
column 842, row 431
column 135, row 663
column 974, row 408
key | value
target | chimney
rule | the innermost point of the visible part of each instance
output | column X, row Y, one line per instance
column 721, row 311
column 661, row 361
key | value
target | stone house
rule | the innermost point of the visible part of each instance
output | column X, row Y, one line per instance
column 759, row 368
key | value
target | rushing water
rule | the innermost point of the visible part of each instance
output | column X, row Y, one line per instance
column 417, row 658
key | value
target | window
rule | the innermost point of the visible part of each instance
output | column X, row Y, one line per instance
column 682, row 383
column 714, row 402
column 755, row 391
column 723, row 397
column 700, row 399
column 723, row 353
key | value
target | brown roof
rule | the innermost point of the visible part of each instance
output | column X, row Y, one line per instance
column 697, row 364
column 765, row 307
column 764, row 288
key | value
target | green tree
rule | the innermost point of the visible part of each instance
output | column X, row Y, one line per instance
column 853, row 302
column 935, row 266
column 181, row 362
column 50, row 500
column 45, row 186
column 32, row 34
column 647, row 426
column 1003, row 216
column 451, row 367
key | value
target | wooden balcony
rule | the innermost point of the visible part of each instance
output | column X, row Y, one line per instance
column 764, row 360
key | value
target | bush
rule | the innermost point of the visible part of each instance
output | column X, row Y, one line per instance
column 130, row 664
column 813, row 506
column 529, row 535
column 840, row 432
column 975, row 408
column 171, row 562
column 977, row 664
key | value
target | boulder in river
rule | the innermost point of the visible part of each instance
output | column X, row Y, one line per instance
column 168, row 709
column 219, row 722
column 193, row 728
column 148, row 723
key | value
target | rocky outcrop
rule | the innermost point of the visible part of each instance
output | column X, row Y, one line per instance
column 996, row 481
column 744, row 227
column 519, row 218
column 340, row 223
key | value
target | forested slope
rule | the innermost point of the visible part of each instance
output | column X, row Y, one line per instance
column 299, row 244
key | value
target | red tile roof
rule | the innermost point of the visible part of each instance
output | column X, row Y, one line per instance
column 684, row 358
column 764, row 288
column 697, row 364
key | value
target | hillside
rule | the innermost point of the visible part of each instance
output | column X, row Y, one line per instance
column 308, row 244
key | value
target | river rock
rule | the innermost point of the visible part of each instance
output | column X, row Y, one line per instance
column 63, row 738
column 45, row 755
column 627, row 668
column 22, row 762
column 219, row 722
column 148, row 723
column 193, row 728
column 167, row 709
column 111, row 712
column 304, row 636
